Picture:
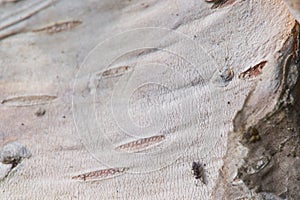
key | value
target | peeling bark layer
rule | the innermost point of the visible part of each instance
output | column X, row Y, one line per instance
column 135, row 100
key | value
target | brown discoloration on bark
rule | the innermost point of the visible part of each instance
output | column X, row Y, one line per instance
column 28, row 100
column 100, row 174
column 59, row 27
column 114, row 72
column 141, row 144
column 254, row 71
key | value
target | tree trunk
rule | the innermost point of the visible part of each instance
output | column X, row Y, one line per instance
column 144, row 99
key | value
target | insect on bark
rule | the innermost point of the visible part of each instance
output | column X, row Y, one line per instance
column 199, row 172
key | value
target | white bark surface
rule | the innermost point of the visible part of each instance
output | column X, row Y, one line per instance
column 132, row 88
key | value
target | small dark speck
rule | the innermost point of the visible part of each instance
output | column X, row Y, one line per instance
column 64, row 117
column 22, row 124
column 144, row 5
column 177, row 14
column 228, row 102
column 40, row 112
column 195, row 36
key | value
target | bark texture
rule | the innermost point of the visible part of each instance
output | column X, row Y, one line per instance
column 143, row 99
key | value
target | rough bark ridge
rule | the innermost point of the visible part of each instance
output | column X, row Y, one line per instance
column 135, row 100
column 267, row 149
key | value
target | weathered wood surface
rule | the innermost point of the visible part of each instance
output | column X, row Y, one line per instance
column 134, row 92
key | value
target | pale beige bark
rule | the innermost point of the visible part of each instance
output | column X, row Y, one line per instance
column 163, row 84
column 294, row 7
